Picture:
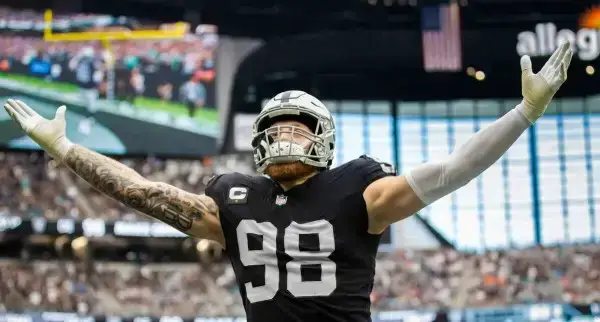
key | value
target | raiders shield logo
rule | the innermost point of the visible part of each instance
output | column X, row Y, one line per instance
column 281, row 200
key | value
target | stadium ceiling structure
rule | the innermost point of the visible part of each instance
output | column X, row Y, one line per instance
column 279, row 18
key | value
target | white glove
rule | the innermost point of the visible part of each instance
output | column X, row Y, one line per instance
column 49, row 134
column 538, row 89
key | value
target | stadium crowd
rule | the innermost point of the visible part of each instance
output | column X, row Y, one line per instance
column 404, row 279
column 32, row 186
column 22, row 15
column 166, row 69
column 451, row 279
column 185, row 56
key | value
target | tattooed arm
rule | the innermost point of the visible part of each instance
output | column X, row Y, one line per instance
column 195, row 215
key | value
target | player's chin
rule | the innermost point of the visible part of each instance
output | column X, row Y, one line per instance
column 291, row 171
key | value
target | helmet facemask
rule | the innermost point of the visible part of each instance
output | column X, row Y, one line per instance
column 283, row 143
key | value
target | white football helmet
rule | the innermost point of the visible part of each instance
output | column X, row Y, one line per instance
column 298, row 106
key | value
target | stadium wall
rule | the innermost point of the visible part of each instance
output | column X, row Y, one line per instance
column 230, row 53
column 415, row 234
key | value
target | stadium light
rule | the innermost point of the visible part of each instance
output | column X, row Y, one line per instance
column 471, row 71
column 60, row 243
column 480, row 75
column 202, row 245
column 590, row 70
column 80, row 246
column 208, row 251
column 79, row 243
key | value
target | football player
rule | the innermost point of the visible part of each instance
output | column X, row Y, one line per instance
column 302, row 237
column 88, row 74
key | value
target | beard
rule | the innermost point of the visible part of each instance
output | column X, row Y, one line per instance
column 287, row 172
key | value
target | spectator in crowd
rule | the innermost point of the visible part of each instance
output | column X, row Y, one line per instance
column 405, row 279
column 88, row 74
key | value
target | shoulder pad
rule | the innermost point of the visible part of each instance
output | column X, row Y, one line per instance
column 363, row 171
column 224, row 180
column 385, row 166
column 212, row 179
column 233, row 188
column 212, row 190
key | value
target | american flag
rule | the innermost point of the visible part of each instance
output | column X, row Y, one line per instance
column 440, row 27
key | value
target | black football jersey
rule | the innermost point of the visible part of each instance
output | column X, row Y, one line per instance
column 302, row 254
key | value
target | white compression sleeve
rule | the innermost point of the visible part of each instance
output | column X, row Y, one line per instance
column 432, row 181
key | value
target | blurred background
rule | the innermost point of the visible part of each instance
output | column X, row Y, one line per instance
column 406, row 80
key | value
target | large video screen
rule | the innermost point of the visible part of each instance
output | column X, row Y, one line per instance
column 153, row 96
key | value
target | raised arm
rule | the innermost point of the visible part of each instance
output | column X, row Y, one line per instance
column 195, row 215
column 391, row 199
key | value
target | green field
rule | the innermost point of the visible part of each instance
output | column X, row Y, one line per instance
column 141, row 103
column 32, row 81
column 175, row 108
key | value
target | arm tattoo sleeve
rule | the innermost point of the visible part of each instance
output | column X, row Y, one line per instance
column 164, row 202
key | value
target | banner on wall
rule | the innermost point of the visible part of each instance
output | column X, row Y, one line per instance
column 19, row 226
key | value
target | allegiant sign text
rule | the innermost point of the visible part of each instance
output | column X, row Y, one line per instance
column 546, row 38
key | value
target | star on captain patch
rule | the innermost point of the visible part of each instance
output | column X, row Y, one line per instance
column 281, row 200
